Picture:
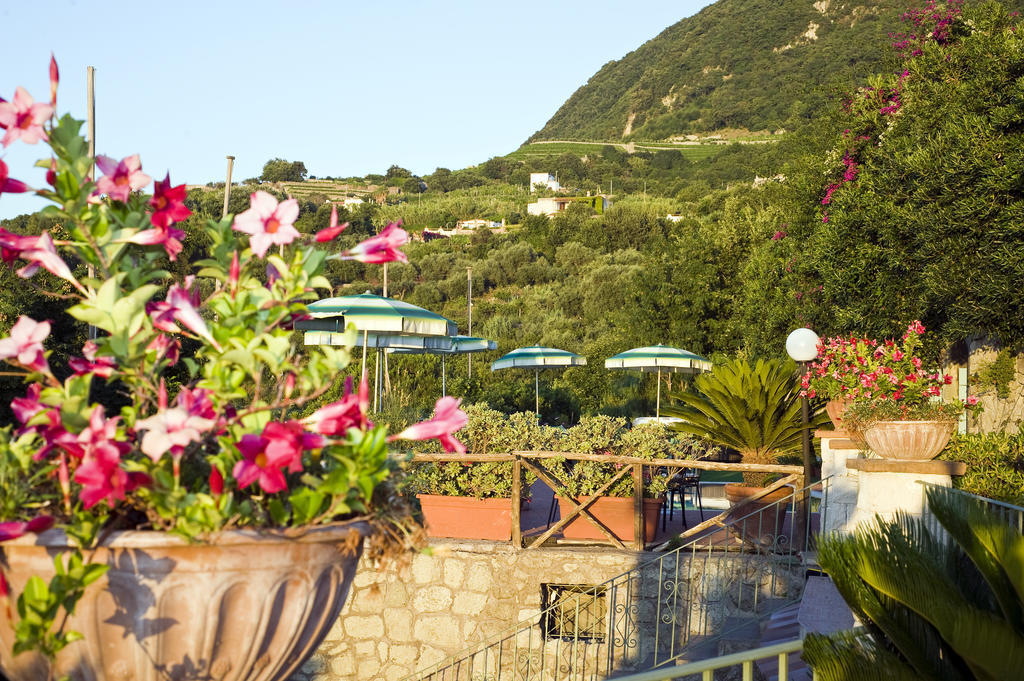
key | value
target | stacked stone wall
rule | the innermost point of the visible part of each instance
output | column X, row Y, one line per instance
column 397, row 623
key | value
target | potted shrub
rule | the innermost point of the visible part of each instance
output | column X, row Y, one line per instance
column 835, row 374
column 582, row 479
column 474, row 500
column 753, row 408
column 897, row 403
column 211, row 512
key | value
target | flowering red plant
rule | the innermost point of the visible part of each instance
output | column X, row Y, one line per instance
column 226, row 446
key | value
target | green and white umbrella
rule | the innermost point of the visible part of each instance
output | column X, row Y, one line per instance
column 537, row 357
column 393, row 323
column 375, row 314
column 659, row 358
column 457, row 345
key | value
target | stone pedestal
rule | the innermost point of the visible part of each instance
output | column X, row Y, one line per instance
column 890, row 485
column 841, row 498
column 863, row 486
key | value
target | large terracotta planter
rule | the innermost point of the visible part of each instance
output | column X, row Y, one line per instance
column 835, row 409
column 245, row 606
column 616, row 513
column 915, row 440
column 467, row 517
column 760, row 523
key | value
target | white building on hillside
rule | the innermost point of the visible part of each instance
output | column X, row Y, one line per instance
column 545, row 180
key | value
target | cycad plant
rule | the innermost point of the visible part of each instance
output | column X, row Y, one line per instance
column 752, row 408
column 936, row 605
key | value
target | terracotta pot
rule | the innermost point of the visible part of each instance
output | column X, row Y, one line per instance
column 835, row 409
column 616, row 513
column 759, row 523
column 467, row 517
column 244, row 606
column 916, row 440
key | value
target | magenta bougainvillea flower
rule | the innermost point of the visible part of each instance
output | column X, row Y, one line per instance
column 267, row 222
column 25, row 344
column 9, row 185
column 40, row 252
column 259, row 465
column 168, row 203
column 334, row 420
column 180, row 306
column 448, row 418
column 333, row 230
column 23, row 118
column 103, row 366
column 381, row 248
column 121, row 178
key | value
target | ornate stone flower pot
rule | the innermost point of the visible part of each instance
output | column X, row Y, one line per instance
column 915, row 440
column 616, row 513
column 244, row 606
column 467, row 517
column 835, row 409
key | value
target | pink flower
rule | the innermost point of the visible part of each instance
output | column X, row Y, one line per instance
column 163, row 346
column 25, row 344
column 259, row 464
column 41, row 253
column 333, row 230
column 168, row 204
column 100, row 472
column 448, row 418
column 778, row 235
column 102, row 367
column 286, row 442
column 23, row 118
column 971, row 400
column 171, row 430
column 8, row 185
column 54, row 80
column 336, row 418
column 216, row 481
column 13, row 529
column 268, row 222
column 121, row 178
column 180, row 306
column 381, row 248
column 234, row 273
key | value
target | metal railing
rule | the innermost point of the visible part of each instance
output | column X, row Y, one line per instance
column 778, row 653
column 1008, row 513
column 728, row 575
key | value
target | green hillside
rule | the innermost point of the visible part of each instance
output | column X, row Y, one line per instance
column 754, row 64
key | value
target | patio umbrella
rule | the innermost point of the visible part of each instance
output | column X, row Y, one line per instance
column 659, row 358
column 393, row 323
column 458, row 345
column 537, row 357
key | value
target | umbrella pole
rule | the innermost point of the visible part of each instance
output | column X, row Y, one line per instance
column 365, row 334
column 442, row 377
column 536, row 391
column 376, row 380
column 657, row 408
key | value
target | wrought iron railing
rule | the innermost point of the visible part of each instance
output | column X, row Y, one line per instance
column 728, row 575
column 1008, row 513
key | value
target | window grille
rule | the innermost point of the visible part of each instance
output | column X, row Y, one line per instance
column 574, row 612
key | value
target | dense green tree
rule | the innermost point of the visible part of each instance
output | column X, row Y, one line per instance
column 279, row 170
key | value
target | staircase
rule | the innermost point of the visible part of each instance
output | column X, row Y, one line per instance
column 721, row 592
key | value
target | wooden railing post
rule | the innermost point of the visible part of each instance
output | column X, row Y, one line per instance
column 517, row 483
column 638, row 506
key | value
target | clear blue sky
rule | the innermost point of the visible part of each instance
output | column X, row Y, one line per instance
column 347, row 88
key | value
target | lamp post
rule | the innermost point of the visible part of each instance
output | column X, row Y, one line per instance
column 802, row 346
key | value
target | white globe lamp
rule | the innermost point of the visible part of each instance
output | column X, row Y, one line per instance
column 802, row 345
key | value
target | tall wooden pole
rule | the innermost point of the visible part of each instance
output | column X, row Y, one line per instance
column 90, row 79
column 227, row 187
column 469, row 316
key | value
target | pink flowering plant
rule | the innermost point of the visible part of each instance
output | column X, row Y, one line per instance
column 236, row 442
column 884, row 380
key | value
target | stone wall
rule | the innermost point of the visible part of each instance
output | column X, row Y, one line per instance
column 467, row 592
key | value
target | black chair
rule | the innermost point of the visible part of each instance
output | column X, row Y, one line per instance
column 686, row 479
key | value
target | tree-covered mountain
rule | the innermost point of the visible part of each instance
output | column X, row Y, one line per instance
column 754, row 64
